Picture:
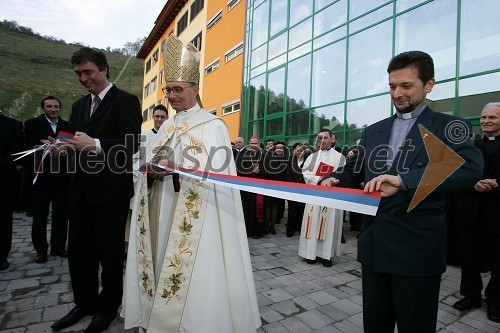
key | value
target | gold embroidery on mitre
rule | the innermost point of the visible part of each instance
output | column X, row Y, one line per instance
column 181, row 62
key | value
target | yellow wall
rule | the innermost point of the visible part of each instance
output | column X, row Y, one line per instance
column 225, row 83
column 193, row 28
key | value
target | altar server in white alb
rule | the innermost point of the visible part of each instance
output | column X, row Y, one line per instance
column 197, row 275
column 321, row 231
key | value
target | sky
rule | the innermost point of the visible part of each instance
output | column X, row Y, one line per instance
column 97, row 23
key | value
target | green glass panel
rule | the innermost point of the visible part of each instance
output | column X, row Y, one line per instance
column 432, row 29
column 476, row 92
column 298, row 83
column 276, row 91
column 480, row 36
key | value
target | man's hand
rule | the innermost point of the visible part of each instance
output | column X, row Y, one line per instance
column 329, row 182
column 486, row 185
column 387, row 184
column 81, row 141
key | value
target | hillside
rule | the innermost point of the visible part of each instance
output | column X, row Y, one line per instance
column 31, row 68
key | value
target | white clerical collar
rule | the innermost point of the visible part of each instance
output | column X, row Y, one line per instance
column 491, row 138
column 411, row 115
column 189, row 111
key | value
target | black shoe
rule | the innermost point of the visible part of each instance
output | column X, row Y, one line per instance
column 289, row 234
column 493, row 313
column 255, row 237
column 310, row 261
column 100, row 322
column 61, row 253
column 272, row 230
column 342, row 240
column 467, row 303
column 71, row 318
column 41, row 258
column 4, row 264
column 327, row 262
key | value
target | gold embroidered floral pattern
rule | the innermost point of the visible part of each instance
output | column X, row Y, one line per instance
column 182, row 248
column 144, row 250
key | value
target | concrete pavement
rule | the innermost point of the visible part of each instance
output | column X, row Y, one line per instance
column 293, row 296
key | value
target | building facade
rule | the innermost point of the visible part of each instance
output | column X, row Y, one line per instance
column 322, row 63
column 216, row 28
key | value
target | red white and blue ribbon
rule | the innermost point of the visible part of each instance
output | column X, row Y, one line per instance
column 47, row 149
column 335, row 197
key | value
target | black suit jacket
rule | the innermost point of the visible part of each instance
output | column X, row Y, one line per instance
column 106, row 177
column 396, row 241
column 35, row 130
column 11, row 141
column 488, row 201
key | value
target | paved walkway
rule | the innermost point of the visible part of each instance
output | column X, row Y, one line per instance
column 293, row 296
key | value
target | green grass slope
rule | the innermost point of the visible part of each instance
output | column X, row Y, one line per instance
column 32, row 68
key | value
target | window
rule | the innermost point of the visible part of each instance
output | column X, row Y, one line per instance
column 161, row 76
column 232, row 3
column 148, row 65
column 145, row 115
column 214, row 19
column 235, row 51
column 212, row 66
column 182, row 24
column 163, row 44
column 213, row 111
column 150, row 111
column 154, row 58
column 231, row 107
column 196, row 7
column 152, row 87
column 197, row 41
column 146, row 90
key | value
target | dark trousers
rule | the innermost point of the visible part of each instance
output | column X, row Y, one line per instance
column 295, row 215
column 6, row 216
column 97, row 236
column 248, row 200
column 271, row 208
column 44, row 193
column 411, row 302
column 476, row 241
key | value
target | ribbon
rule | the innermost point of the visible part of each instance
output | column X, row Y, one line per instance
column 334, row 197
column 47, row 149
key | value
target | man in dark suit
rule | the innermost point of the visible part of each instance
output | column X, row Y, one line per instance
column 52, row 183
column 106, row 124
column 402, row 248
column 482, row 231
column 239, row 144
column 11, row 141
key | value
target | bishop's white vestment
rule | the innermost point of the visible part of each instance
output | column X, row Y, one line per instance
column 193, row 275
column 321, row 230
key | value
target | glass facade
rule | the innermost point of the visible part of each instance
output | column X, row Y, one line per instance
column 323, row 63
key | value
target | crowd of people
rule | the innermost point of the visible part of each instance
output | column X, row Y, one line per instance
column 188, row 258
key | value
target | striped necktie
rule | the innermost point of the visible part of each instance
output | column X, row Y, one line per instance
column 97, row 101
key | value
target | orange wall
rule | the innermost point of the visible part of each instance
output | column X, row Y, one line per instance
column 224, row 84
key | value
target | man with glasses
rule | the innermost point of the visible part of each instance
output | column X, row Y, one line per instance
column 196, row 267
column 160, row 114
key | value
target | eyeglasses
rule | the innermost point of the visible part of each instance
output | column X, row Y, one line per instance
column 176, row 89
